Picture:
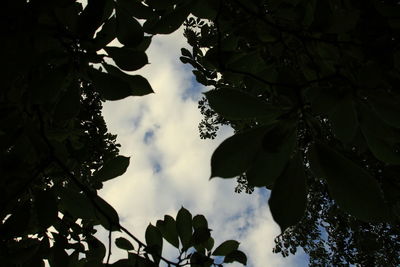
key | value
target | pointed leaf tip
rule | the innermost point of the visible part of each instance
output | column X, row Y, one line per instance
column 112, row 168
column 289, row 195
column 184, row 227
column 123, row 243
column 226, row 247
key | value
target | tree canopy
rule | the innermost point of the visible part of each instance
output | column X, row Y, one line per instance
column 310, row 88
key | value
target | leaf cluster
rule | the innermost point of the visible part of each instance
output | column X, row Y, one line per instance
column 310, row 89
column 190, row 235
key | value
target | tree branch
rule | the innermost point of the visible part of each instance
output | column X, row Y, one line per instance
column 109, row 246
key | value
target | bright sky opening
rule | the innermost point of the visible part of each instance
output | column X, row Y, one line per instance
column 170, row 164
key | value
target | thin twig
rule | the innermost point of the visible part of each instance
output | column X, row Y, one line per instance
column 109, row 246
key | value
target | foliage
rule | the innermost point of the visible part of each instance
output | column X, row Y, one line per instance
column 333, row 238
column 310, row 88
column 56, row 151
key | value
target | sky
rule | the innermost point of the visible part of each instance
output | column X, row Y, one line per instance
column 170, row 164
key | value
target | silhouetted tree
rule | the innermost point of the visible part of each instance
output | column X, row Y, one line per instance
column 310, row 88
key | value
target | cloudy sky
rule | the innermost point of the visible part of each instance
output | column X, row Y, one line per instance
column 170, row 164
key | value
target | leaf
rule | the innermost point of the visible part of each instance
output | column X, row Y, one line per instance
column 199, row 259
column 234, row 104
column 136, row 9
column 184, row 227
column 73, row 259
column 344, row 21
column 323, row 101
column 144, row 44
column 123, row 243
column 96, row 251
column 186, row 53
column 123, row 263
column 162, row 5
column 112, row 168
column 129, row 30
column 382, row 149
column 68, row 17
column 236, row 154
column 250, row 5
column 154, row 242
column 186, row 60
column 387, row 107
column 106, row 34
column 249, row 62
column 344, row 119
column 354, row 190
column 69, row 104
column 268, row 165
column 170, row 21
column 390, row 186
column 236, row 255
column 229, row 43
column 91, row 18
column 168, row 230
column 18, row 223
column 47, row 85
column 77, row 204
column 200, row 77
column 59, row 256
column 289, row 195
column 209, row 244
column 199, row 221
column 106, row 214
column 139, row 85
column 109, row 86
column 126, row 58
column 46, row 208
column 381, row 138
column 205, row 9
column 138, row 261
column 200, row 237
column 226, row 247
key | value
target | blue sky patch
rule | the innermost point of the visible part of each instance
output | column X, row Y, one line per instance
column 148, row 136
column 156, row 167
column 263, row 192
column 136, row 121
column 193, row 92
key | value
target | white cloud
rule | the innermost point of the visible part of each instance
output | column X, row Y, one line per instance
column 171, row 168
